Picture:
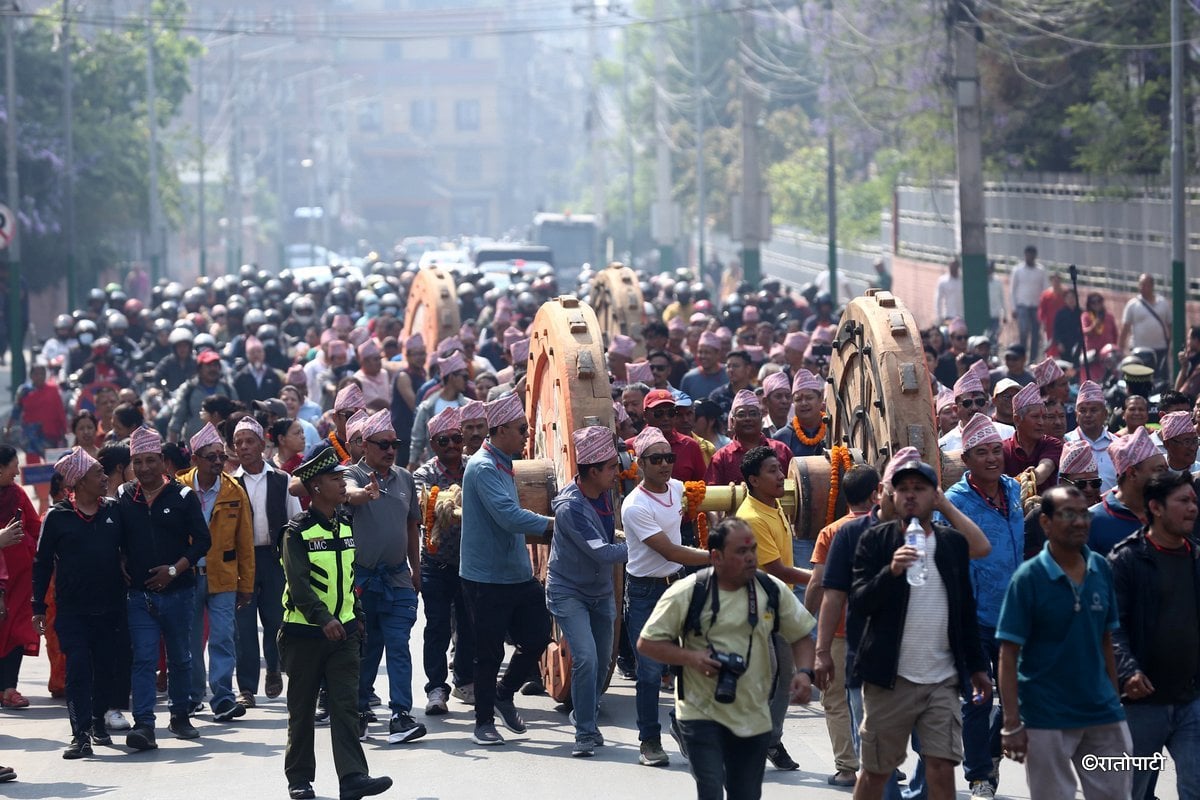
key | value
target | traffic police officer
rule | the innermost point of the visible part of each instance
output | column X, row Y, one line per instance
column 322, row 633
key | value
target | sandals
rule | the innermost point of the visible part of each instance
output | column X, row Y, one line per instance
column 14, row 699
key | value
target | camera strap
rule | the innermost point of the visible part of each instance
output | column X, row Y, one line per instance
column 751, row 610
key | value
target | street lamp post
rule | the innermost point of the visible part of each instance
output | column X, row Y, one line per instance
column 307, row 164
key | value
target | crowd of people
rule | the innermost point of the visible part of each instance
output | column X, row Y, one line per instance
column 262, row 496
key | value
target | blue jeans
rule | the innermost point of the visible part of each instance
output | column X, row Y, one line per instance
column 982, row 723
column 390, row 615
column 266, row 604
column 855, row 702
column 802, row 552
column 640, row 598
column 1177, row 728
column 1029, row 332
column 155, row 615
column 446, row 612
column 588, row 626
column 222, row 647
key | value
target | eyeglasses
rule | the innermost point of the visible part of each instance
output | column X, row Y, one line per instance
column 346, row 414
column 1072, row 515
column 393, row 444
column 662, row 413
column 524, row 429
column 660, row 367
column 442, row 441
column 747, row 413
column 660, row 458
column 1187, row 441
column 978, row 402
column 213, row 458
column 459, row 374
column 1085, row 483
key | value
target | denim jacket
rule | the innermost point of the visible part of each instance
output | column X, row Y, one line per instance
column 582, row 553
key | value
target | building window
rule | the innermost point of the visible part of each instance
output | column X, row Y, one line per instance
column 466, row 115
column 460, row 48
column 370, row 116
column 423, row 116
column 468, row 166
column 393, row 51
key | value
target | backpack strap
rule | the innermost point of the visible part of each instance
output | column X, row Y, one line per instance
column 696, row 604
column 772, row 589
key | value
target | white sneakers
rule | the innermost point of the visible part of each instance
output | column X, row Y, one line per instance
column 435, row 702
column 114, row 720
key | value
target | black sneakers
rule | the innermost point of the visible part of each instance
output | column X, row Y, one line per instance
column 356, row 787
column 182, row 727
column 509, row 715
column 80, row 747
column 141, row 737
column 403, row 728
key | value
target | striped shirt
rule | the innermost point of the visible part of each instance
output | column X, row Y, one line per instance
column 925, row 655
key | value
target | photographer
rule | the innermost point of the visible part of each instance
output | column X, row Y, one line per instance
column 727, row 673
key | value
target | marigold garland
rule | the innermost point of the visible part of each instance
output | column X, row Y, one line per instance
column 630, row 474
column 804, row 440
column 431, row 546
column 839, row 460
column 337, row 447
column 695, row 491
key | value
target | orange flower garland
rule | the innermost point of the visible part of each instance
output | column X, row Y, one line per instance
column 337, row 447
column 804, row 440
column 839, row 461
column 695, row 491
column 630, row 474
column 431, row 546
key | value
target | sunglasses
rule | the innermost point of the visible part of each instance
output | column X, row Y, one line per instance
column 958, row 337
column 747, row 414
column 662, row 413
column 213, row 458
column 659, row 367
column 1090, row 483
column 660, row 458
column 978, row 402
column 442, row 441
column 1071, row 515
column 393, row 444
column 524, row 429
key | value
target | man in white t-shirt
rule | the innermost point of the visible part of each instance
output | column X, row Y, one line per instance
column 948, row 299
column 1026, row 285
column 1146, row 322
column 651, row 516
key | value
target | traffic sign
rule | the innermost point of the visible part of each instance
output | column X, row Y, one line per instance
column 8, row 226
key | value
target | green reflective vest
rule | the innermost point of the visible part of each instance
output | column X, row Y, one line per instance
column 331, row 573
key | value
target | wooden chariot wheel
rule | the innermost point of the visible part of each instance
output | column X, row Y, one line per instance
column 567, row 388
column 617, row 299
column 432, row 308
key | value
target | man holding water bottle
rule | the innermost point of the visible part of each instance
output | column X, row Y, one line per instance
column 920, row 646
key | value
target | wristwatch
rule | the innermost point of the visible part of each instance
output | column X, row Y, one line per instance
column 172, row 571
column 812, row 676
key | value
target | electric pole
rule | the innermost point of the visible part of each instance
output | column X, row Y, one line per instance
column 969, row 143
column 626, row 109
column 1178, row 197
column 201, row 155
column 16, row 321
column 831, row 161
column 752, row 192
column 665, row 232
column 68, row 151
column 155, row 238
column 698, row 84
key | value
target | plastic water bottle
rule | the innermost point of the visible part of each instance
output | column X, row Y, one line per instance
column 914, row 536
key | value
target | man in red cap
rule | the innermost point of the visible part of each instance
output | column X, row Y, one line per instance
column 659, row 410
column 185, row 419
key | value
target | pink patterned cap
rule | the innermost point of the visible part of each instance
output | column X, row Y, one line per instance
column 649, row 437
column 368, row 349
column 1077, row 458
column 710, row 339
column 204, row 437
column 74, row 465
column 593, row 445
column 958, row 325
column 328, row 335
column 1029, row 396
column 473, row 410
column 905, row 455
column 449, row 345
column 640, row 372
column 503, row 315
column 511, row 335
column 776, row 353
column 350, row 397
column 795, row 341
column 342, row 322
column 1129, row 451
column 144, row 440
column 1177, row 423
column 446, row 420
column 338, row 348
column 358, row 336
column 724, row 334
column 355, row 423
column 677, row 324
column 750, row 314
column 520, row 350
column 416, row 341
column 980, row 370
column 621, row 345
column 967, row 384
column 756, row 353
column 806, row 381
column 249, row 423
column 1089, row 392
column 466, row 333
column 296, row 376
column 379, row 422
column 506, row 375
column 979, row 430
column 619, row 412
column 944, row 398
column 454, row 363
column 1047, row 372
column 744, row 398
column 698, row 318
column 776, row 381
column 508, row 408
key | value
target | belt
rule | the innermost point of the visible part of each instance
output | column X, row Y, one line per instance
column 668, row 580
column 201, row 569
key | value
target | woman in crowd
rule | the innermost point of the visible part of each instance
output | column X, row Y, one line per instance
column 83, row 427
column 17, row 636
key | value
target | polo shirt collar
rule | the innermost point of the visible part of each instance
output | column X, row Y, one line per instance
column 1054, row 571
column 763, row 508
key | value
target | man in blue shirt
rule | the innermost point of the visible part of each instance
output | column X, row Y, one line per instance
column 496, row 574
column 1121, row 512
column 1058, row 675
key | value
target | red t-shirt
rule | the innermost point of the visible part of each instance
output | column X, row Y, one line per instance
column 726, row 465
column 1016, row 460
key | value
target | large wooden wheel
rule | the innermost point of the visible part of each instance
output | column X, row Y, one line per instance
column 879, row 397
column 567, row 388
column 432, row 307
column 617, row 299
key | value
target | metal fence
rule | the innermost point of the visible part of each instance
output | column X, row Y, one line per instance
column 797, row 258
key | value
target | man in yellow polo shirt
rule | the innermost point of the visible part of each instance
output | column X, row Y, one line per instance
column 764, row 476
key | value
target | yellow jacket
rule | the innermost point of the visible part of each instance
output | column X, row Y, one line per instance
column 230, row 560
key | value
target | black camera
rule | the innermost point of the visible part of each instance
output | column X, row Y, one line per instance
column 733, row 666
